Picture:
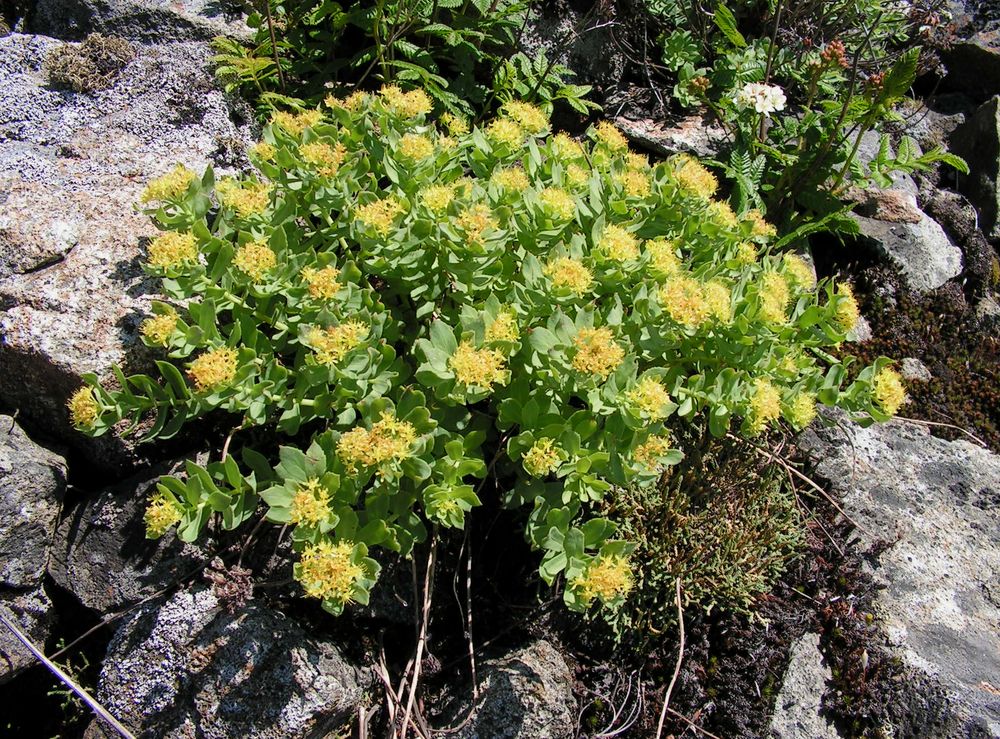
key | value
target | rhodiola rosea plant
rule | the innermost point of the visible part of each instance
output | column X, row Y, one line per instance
column 428, row 305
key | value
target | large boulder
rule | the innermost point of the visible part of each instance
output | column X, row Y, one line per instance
column 797, row 707
column 694, row 134
column 930, row 507
column 72, row 165
column 32, row 484
column 978, row 141
column 187, row 667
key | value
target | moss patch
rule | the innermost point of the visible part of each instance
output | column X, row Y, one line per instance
column 90, row 66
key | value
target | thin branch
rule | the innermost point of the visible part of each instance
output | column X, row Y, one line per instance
column 422, row 638
column 691, row 723
column 677, row 666
column 945, row 425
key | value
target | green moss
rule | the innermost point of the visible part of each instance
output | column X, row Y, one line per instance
column 90, row 66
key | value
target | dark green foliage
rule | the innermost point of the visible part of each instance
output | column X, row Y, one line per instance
column 90, row 66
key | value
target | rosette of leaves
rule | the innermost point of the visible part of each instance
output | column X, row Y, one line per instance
column 414, row 302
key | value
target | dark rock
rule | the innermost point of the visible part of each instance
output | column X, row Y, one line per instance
column 978, row 142
column 974, row 65
column 524, row 694
column 959, row 220
column 797, row 707
column 186, row 667
column 931, row 121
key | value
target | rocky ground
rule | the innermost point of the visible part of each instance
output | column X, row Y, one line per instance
column 885, row 626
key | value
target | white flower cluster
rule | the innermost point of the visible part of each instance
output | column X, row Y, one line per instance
column 764, row 99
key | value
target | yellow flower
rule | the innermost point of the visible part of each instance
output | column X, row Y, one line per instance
column 161, row 513
column 774, row 297
column 456, row 126
column 634, row 183
column 569, row 274
column 847, row 314
column 407, row 104
column 247, row 198
column 566, row 148
column 802, row 410
column 610, row 137
column 296, row 123
column 447, row 143
column 529, row 117
column 170, row 186
column 437, row 198
column 505, row 132
column 662, row 255
column 263, row 151
column 558, row 203
column 325, row 158
column 765, row 405
column 512, row 178
column 800, row 275
column 693, row 177
column 746, row 252
column 723, row 214
column 159, row 328
column 475, row 221
column 310, row 504
column 389, row 438
column 173, row 249
column 83, row 407
column 719, row 300
column 332, row 344
column 577, row 176
column 638, row 162
column 542, row 458
column 606, row 578
column 415, row 147
column 649, row 396
column 503, row 328
column 888, row 390
column 380, row 215
column 322, row 283
column 327, row 571
column 478, row 367
column 255, row 259
column 352, row 102
column 597, row 353
column 760, row 226
column 683, row 298
column 618, row 244
column 649, row 452
column 213, row 369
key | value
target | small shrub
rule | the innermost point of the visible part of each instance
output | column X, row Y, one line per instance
column 90, row 66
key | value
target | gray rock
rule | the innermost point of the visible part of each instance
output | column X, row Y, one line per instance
column 797, row 707
column 913, row 370
column 960, row 221
column 868, row 149
column 148, row 21
column 524, row 694
column 978, row 141
column 691, row 135
column 861, row 332
column 931, row 121
column 923, row 252
column 936, row 502
column 185, row 667
column 102, row 554
column 72, row 291
column 32, row 485
column 988, row 310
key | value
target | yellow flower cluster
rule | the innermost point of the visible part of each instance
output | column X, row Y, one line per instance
column 407, row 104
column 746, row 252
column 719, row 300
column 503, row 328
column 83, row 407
column 456, row 126
column 542, row 458
column 800, row 275
column 569, row 274
column 802, row 410
column 662, row 255
column 760, row 227
column 389, row 438
column 264, row 151
column 610, row 137
column 478, row 367
column 847, row 314
column 352, row 102
column 505, row 132
column 173, row 249
column 332, row 344
column 170, row 186
column 888, row 390
column 380, row 215
column 606, row 578
column 530, row 117
column 649, row 452
column 415, row 147
column 577, row 176
column 247, row 199
column 558, row 203
column 634, row 183
column 159, row 328
column 437, row 198
column 597, row 353
column 566, row 148
column 649, row 396
column 322, row 283
column 327, row 571
column 683, row 297
column 512, row 178
column 310, row 504
column 325, row 159
column 161, row 513
column 638, row 162
column 213, row 369
column 694, row 178
column 475, row 221
column 774, row 297
column 722, row 212
column 618, row 243
column 255, row 259
column 296, row 123
column 765, row 405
